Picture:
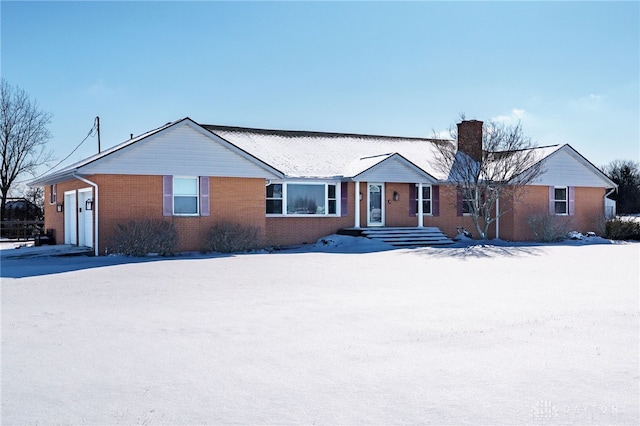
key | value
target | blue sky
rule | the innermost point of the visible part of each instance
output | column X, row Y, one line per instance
column 569, row 71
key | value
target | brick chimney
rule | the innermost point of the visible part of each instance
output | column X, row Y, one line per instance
column 470, row 138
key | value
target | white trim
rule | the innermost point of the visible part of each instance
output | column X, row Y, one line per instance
column 95, row 212
column 82, row 212
column 70, row 219
column 356, row 192
column 386, row 170
column 566, row 200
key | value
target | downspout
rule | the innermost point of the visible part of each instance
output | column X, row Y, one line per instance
column 95, row 209
column 497, row 218
column 604, row 200
column 357, row 206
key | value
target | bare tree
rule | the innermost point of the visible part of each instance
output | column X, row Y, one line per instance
column 496, row 163
column 23, row 134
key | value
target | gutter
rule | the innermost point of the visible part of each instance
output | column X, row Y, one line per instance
column 95, row 209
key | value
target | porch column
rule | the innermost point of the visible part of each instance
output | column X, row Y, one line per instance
column 357, row 205
column 420, row 206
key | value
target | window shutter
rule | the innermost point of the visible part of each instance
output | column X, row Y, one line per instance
column 572, row 203
column 167, row 195
column 413, row 197
column 344, row 198
column 552, row 201
column 435, row 200
column 459, row 202
column 204, row 196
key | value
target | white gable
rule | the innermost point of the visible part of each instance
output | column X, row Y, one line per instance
column 183, row 149
column 393, row 168
column 565, row 167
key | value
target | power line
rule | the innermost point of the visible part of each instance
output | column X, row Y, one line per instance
column 91, row 133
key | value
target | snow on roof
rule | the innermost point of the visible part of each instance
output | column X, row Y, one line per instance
column 319, row 154
column 306, row 154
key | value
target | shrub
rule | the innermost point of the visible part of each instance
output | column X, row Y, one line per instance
column 621, row 229
column 142, row 237
column 228, row 237
column 548, row 228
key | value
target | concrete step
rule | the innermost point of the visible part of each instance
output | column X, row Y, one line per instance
column 403, row 237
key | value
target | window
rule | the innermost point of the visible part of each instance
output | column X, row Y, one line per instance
column 274, row 198
column 560, row 200
column 53, row 196
column 305, row 199
column 332, row 200
column 467, row 204
column 426, row 200
column 302, row 199
column 185, row 196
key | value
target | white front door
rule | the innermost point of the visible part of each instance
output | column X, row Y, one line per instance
column 375, row 212
column 70, row 218
column 85, row 219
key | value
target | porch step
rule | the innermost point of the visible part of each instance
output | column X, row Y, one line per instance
column 403, row 237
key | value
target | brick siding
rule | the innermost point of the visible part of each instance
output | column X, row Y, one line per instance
column 123, row 198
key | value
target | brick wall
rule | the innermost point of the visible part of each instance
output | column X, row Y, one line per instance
column 241, row 200
column 126, row 198
column 283, row 231
column 588, row 216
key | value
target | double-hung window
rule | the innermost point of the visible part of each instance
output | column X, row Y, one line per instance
column 332, row 201
column 560, row 200
column 185, row 196
column 274, row 198
column 467, row 203
column 302, row 199
column 426, row 199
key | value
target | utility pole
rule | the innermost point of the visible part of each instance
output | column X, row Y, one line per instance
column 98, row 128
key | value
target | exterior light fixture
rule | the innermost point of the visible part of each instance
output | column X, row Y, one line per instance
column 88, row 205
column 59, row 208
column 396, row 196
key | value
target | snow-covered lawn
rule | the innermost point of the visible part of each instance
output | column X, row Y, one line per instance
column 469, row 335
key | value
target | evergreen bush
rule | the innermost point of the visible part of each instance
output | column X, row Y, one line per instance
column 623, row 229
